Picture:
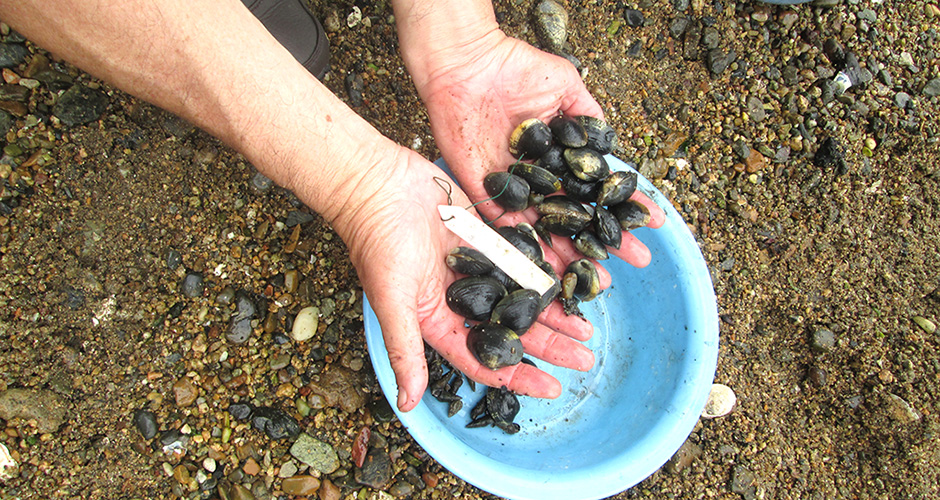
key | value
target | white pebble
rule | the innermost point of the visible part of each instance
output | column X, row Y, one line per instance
column 305, row 324
column 721, row 401
column 209, row 464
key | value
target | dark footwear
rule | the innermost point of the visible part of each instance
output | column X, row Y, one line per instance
column 298, row 31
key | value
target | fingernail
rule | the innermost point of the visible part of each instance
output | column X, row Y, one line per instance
column 402, row 398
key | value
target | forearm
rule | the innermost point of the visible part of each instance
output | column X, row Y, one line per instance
column 213, row 63
column 437, row 35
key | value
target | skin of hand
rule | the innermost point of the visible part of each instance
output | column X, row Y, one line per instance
column 189, row 57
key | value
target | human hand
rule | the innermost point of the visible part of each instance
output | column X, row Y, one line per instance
column 398, row 244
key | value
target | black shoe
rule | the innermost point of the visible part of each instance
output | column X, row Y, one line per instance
column 297, row 30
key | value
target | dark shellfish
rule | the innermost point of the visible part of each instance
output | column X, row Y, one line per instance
column 586, row 164
column 618, row 187
column 601, row 137
column 498, row 408
column 474, row 297
column 607, row 227
column 581, row 281
column 568, row 132
column 518, row 310
column 540, row 180
column 509, row 191
column 576, row 189
column 495, row 346
column 631, row 214
column 470, row 261
column 531, row 139
column 590, row 245
column 522, row 240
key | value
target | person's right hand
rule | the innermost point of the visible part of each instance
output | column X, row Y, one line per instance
column 398, row 244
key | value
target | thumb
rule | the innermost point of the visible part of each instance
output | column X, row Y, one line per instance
column 402, row 334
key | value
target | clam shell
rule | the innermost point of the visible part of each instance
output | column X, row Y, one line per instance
column 551, row 25
column 508, row 191
column 720, row 402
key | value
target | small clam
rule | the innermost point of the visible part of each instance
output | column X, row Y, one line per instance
column 590, row 246
column 494, row 346
column 562, row 216
column 551, row 25
column 544, row 234
column 586, row 164
column 531, row 139
column 601, row 137
column 568, row 132
column 498, row 408
column 466, row 260
column 509, row 191
column 528, row 229
column 618, row 187
column 552, row 292
column 540, row 180
column 518, row 310
column 522, row 240
column 631, row 214
column 553, row 160
column 576, row 189
column 607, row 227
column 504, row 279
column 580, row 281
column 474, row 297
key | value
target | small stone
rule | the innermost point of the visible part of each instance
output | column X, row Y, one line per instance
column 901, row 410
column 823, row 340
column 932, row 89
column 45, row 407
column 376, row 471
column 251, row 467
column 316, row 454
column 902, row 100
column 146, row 423
column 295, row 217
column 401, row 489
column 305, row 324
column 300, row 485
column 743, row 482
column 181, row 474
column 678, row 27
column 925, row 324
column 683, row 457
column 240, row 411
column 720, row 402
column 288, row 469
column 329, row 491
column 185, row 392
column 193, row 285
column 261, row 183
column 755, row 162
column 173, row 259
column 239, row 492
column 12, row 54
column 209, row 464
column 276, row 423
column 80, row 105
column 755, row 109
column 245, row 311
column 741, row 149
column 818, row 376
column 788, row 18
column 718, row 60
column 634, row 18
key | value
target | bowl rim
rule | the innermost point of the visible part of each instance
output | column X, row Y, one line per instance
column 603, row 479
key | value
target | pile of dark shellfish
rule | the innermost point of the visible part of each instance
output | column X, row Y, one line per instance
column 567, row 153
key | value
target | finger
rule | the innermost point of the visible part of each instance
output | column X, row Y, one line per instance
column 632, row 251
column 402, row 335
column 574, row 326
column 657, row 215
column 559, row 350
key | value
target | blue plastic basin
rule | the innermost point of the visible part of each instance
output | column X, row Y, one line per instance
column 656, row 348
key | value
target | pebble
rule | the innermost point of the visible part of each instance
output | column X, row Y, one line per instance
column 305, row 324
column 932, row 89
column 354, row 87
column 275, row 422
column 634, row 18
column 718, row 60
column 401, row 489
column 743, row 482
column 185, row 392
column 79, row 105
column 720, row 402
column 755, row 109
column 12, row 54
column 823, row 340
column 818, row 376
column 245, row 311
column 261, row 183
column 209, row 464
column 288, row 469
column 902, row 100
column 45, row 407
column 683, row 457
column 925, row 324
column 376, row 471
column 193, row 285
column 318, row 455
column 239, row 492
column 300, row 485
column 146, row 423
column 900, row 410
column 329, row 491
column 173, row 259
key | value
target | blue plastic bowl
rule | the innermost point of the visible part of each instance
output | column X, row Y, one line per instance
column 656, row 347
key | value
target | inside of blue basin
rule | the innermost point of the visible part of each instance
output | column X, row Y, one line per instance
column 656, row 347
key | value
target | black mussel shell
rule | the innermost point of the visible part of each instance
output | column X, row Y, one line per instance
column 562, row 225
column 607, row 227
column 523, row 241
column 601, row 137
column 576, row 189
column 618, row 187
column 531, row 139
column 562, row 205
column 504, row 279
column 586, row 164
column 552, row 292
column 502, row 404
column 580, row 281
column 562, row 215
column 466, row 260
column 553, row 160
column 568, row 132
column 631, row 214
column 528, row 229
column 495, row 346
column 589, row 245
column 540, row 180
column 518, row 310
column 544, row 234
column 474, row 297
column 509, row 191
